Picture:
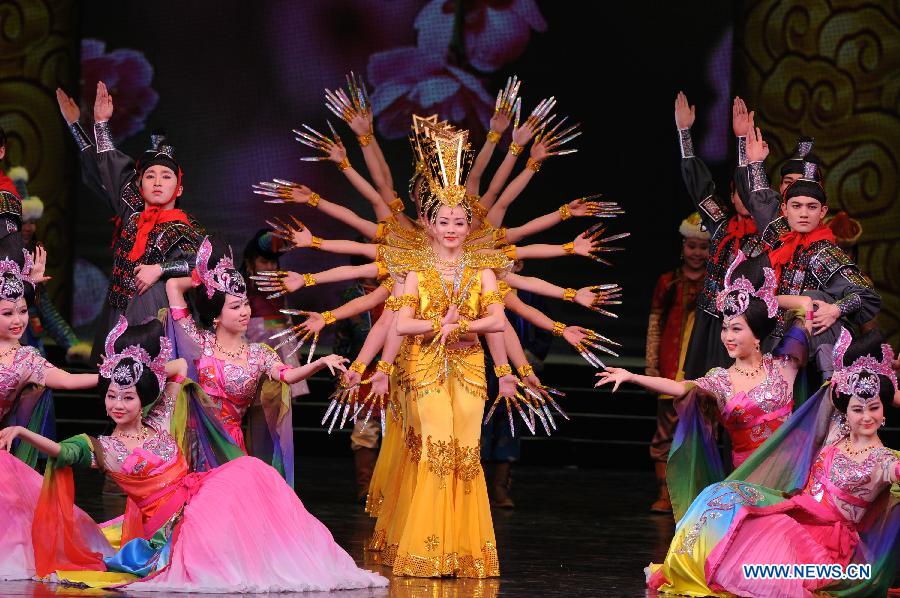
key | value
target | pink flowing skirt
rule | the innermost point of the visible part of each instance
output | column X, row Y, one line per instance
column 20, row 487
column 797, row 531
column 246, row 531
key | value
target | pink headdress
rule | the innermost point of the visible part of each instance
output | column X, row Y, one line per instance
column 223, row 278
column 13, row 287
column 734, row 298
column 128, row 374
column 860, row 380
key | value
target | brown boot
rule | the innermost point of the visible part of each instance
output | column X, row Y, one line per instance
column 502, row 485
column 663, row 504
column 364, row 461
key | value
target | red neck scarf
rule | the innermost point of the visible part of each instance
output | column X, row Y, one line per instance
column 782, row 256
column 149, row 218
column 737, row 228
column 7, row 184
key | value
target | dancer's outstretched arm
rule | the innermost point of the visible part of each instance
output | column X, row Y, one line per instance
column 662, row 386
column 575, row 208
column 287, row 281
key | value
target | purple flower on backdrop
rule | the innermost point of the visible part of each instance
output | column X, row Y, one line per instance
column 409, row 81
column 128, row 75
column 714, row 146
column 496, row 31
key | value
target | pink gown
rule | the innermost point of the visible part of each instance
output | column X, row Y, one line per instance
column 751, row 417
column 817, row 526
column 238, row 528
column 230, row 386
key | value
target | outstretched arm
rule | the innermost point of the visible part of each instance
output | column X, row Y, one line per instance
column 63, row 380
column 663, row 386
column 41, row 443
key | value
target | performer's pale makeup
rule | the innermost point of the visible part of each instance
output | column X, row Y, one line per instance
column 235, row 315
column 803, row 213
column 123, row 404
column 738, row 338
column 13, row 319
column 159, row 186
column 451, row 227
column 864, row 418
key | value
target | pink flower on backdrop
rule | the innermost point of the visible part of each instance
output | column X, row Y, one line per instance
column 496, row 31
column 408, row 81
column 127, row 74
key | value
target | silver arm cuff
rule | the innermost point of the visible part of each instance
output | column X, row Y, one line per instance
column 758, row 178
column 742, row 150
column 81, row 138
column 175, row 268
column 849, row 304
column 687, row 145
column 103, row 137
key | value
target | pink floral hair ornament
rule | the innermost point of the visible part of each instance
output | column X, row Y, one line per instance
column 223, row 278
column 13, row 287
column 734, row 298
column 128, row 374
column 860, row 380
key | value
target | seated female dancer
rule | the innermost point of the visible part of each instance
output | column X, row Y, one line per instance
column 818, row 495
column 229, row 370
column 237, row 528
column 753, row 397
column 25, row 376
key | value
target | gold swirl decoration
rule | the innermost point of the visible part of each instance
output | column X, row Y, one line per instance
column 829, row 69
column 38, row 53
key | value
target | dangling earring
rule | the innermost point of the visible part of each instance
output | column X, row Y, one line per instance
column 757, row 347
column 883, row 422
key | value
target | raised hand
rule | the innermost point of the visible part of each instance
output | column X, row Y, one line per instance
column 505, row 105
column 740, row 118
column 684, row 113
column 550, row 140
column 8, row 436
column 103, row 103
column 67, row 106
column 39, row 269
column 302, row 332
column 278, row 282
column 590, row 244
column 352, row 106
column 616, row 376
column 332, row 147
column 297, row 234
column 757, row 148
column 593, row 297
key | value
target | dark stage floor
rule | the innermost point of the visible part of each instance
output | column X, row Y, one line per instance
column 574, row 532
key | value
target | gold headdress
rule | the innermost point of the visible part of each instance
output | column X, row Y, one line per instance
column 444, row 158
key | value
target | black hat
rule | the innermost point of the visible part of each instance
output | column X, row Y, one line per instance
column 803, row 153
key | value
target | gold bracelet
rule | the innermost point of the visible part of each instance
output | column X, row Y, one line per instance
column 558, row 328
column 493, row 137
column 526, row 370
column 313, row 199
column 436, row 325
column 364, row 139
column 569, row 294
column 510, row 252
column 502, row 370
column 564, row 212
column 533, row 164
column 309, row 280
column 316, row 242
column 463, row 326
column 396, row 205
column 344, row 164
column 515, row 149
column 328, row 317
column 569, row 248
column 385, row 367
column 358, row 367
